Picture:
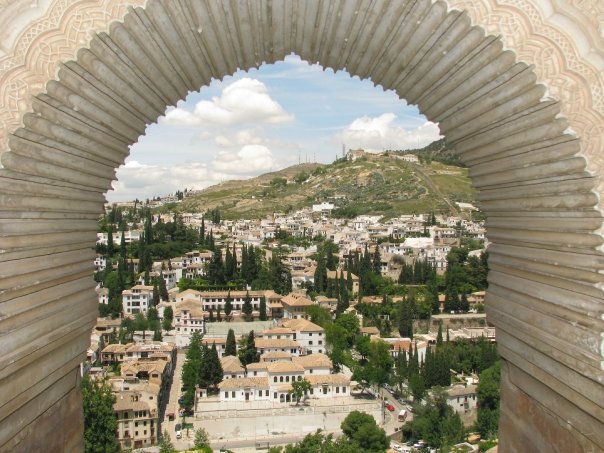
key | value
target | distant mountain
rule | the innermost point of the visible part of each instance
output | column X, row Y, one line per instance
column 372, row 184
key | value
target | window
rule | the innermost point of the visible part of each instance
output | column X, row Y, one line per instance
column 299, row 378
column 320, row 341
column 337, row 389
column 255, row 372
column 274, row 395
column 233, row 394
column 343, row 389
column 286, row 378
column 226, row 394
column 266, row 393
column 310, row 343
column 275, row 379
column 280, row 378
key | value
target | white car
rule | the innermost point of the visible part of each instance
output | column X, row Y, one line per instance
column 178, row 434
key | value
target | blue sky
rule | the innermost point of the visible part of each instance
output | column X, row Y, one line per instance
column 263, row 120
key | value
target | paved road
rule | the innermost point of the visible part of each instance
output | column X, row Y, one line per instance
column 172, row 402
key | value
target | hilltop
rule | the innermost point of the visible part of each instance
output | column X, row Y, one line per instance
column 373, row 184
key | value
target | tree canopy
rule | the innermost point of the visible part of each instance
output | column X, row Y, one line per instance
column 100, row 422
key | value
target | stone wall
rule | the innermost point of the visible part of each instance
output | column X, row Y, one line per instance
column 517, row 87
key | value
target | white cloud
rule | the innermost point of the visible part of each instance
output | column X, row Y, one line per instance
column 136, row 180
column 382, row 132
column 249, row 160
column 243, row 101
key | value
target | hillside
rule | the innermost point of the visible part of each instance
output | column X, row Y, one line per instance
column 375, row 184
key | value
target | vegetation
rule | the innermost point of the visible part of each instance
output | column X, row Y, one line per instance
column 201, row 368
column 299, row 389
column 374, row 185
column 361, row 435
column 165, row 443
column 488, row 401
column 436, row 422
column 100, row 422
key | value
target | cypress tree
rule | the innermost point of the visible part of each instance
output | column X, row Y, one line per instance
column 211, row 312
column 163, row 290
column 247, row 308
column 110, row 246
column 228, row 306
column 439, row 336
column 218, row 315
column 262, row 309
column 229, row 270
column 248, row 352
column 123, row 243
column 377, row 261
column 234, row 261
column 464, row 305
column 320, row 275
column 230, row 347
column 155, row 299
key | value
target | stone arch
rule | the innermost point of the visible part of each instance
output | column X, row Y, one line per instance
column 68, row 117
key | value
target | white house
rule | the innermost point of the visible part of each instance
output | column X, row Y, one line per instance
column 188, row 318
column 309, row 336
column 137, row 299
column 272, row 381
column 462, row 398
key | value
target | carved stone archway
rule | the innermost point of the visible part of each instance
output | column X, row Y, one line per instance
column 80, row 80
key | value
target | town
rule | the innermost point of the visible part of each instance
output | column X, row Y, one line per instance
column 250, row 334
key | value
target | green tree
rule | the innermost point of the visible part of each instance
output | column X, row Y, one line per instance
column 436, row 422
column 228, row 306
column 168, row 318
column 213, row 367
column 405, row 319
column 247, row 308
column 379, row 362
column 247, row 349
column 262, row 309
column 165, row 443
column 230, row 346
column 488, row 401
column 299, row 389
column 202, row 439
column 100, row 421
column 163, row 290
column 360, row 429
column 350, row 323
column 319, row 315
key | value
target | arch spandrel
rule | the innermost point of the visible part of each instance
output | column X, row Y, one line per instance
column 91, row 98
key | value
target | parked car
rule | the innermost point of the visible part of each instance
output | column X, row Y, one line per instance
column 390, row 407
column 178, row 434
column 171, row 416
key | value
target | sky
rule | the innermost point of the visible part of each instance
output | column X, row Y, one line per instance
column 264, row 120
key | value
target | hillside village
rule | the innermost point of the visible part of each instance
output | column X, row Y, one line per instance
column 265, row 334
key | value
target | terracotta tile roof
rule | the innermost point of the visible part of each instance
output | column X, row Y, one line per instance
column 263, row 343
column 276, row 355
column 284, row 367
column 278, row 330
column 292, row 300
column 237, row 383
column 302, row 325
column 314, row 360
column 258, row 366
column 231, row 364
column 318, row 379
